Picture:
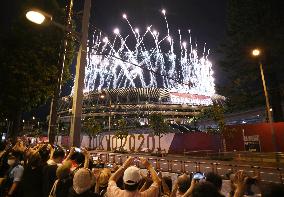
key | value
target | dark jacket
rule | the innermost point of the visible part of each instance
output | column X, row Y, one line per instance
column 48, row 178
column 31, row 184
column 63, row 186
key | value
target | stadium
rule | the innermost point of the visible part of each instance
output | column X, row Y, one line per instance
column 156, row 73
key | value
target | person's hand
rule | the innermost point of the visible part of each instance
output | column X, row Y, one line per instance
column 239, row 182
column 85, row 152
column 21, row 146
column 15, row 147
column 128, row 162
column 145, row 162
column 72, row 151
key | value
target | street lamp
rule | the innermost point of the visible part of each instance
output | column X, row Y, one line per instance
column 256, row 53
column 37, row 16
column 75, row 128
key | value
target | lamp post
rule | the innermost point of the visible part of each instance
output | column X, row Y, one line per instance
column 257, row 53
column 39, row 17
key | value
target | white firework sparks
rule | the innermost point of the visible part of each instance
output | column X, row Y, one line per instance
column 178, row 68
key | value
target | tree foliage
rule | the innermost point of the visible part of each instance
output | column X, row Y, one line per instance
column 91, row 126
column 122, row 131
column 29, row 57
column 251, row 24
column 157, row 123
column 216, row 113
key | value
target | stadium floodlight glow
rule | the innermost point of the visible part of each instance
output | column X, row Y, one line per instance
column 124, row 16
column 36, row 16
column 184, row 44
column 137, row 30
column 116, row 31
column 164, row 11
column 256, row 52
column 155, row 32
column 148, row 28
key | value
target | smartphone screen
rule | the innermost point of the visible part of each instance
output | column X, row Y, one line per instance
column 109, row 165
column 78, row 150
column 95, row 158
column 198, row 176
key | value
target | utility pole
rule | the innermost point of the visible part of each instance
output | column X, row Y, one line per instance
column 57, row 91
column 76, row 116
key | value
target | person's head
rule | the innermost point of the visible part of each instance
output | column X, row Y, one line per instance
column 63, row 171
column 14, row 157
column 205, row 189
column 215, row 179
column 44, row 154
column 78, row 158
column 12, row 160
column 104, row 177
column 83, row 180
column 131, row 178
column 168, row 181
column 35, row 160
column 183, row 182
column 58, row 155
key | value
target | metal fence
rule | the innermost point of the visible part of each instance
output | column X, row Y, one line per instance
column 179, row 166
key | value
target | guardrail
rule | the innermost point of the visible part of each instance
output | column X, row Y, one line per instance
column 238, row 156
column 179, row 166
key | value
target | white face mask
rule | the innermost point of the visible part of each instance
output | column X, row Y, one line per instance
column 11, row 162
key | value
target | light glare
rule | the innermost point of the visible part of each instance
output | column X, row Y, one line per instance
column 116, row 31
column 124, row 16
column 105, row 40
column 164, row 11
column 169, row 38
column 256, row 52
column 35, row 17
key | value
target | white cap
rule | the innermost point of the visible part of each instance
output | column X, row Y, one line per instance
column 131, row 175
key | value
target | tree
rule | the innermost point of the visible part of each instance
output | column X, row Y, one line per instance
column 29, row 57
column 157, row 123
column 91, row 127
column 122, row 132
column 250, row 24
column 216, row 113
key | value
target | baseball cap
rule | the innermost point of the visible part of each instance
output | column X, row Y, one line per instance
column 131, row 175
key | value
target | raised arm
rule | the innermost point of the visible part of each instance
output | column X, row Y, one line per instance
column 152, row 171
column 72, row 151
column 87, row 157
column 239, row 182
column 190, row 189
column 115, row 176
column 164, row 185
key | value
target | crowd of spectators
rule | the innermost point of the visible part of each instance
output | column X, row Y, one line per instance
column 43, row 170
